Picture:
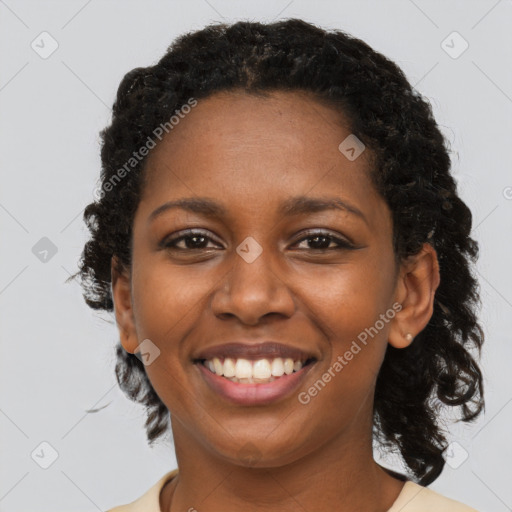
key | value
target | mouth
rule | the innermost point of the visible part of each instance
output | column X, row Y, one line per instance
column 254, row 374
column 259, row 371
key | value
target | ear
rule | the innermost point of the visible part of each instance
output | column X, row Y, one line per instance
column 415, row 290
column 121, row 295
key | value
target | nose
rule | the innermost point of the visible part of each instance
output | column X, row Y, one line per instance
column 251, row 291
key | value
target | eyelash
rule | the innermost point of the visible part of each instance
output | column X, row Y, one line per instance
column 342, row 244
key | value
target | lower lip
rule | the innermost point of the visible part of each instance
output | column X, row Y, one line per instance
column 254, row 394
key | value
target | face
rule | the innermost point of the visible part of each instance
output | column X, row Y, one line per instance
column 261, row 264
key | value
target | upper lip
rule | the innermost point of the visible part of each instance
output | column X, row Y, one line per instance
column 253, row 351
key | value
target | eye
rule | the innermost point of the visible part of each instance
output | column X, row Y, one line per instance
column 323, row 240
column 189, row 239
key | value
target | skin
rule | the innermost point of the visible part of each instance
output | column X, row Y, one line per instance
column 250, row 154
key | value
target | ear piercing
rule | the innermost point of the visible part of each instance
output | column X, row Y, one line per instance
column 409, row 337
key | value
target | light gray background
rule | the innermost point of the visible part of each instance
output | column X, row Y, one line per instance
column 57, row 356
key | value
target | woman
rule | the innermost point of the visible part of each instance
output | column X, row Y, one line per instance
column 289, row 262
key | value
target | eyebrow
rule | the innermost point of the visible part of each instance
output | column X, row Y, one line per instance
column 298, row 205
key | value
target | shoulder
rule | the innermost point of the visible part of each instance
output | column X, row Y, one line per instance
column 416, row 498
column 150, row 500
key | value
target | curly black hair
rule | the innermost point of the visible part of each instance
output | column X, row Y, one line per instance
column 410, row 169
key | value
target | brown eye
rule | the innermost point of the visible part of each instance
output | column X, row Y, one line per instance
column 322, row 241
column 189, row 241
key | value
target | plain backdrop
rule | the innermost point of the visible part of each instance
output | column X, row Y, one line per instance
column 57, row 358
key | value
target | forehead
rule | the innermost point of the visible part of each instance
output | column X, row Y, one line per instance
column 249, row 148
column 230, row 118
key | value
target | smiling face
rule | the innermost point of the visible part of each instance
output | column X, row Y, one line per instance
column 266, row 170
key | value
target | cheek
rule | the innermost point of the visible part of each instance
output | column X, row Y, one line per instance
column 352, row 305
column 166, row 299
column 347, row 310
column 351, row 297
column 166, row 302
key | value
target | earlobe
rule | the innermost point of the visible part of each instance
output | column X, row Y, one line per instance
column 416, row 287
column 123, row 308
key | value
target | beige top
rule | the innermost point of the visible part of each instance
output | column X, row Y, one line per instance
column 412, row 498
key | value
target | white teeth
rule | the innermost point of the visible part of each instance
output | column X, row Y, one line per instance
column 261, row 369
column 277, row 367
column 243, row 369
column 217, row 366
column 247, row 371
column 288, row 366
column 229, row 367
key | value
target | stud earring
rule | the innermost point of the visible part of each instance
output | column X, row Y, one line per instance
column 409, row 337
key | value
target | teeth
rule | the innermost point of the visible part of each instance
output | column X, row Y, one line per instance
column 288, row 366
column 243, row 369
column 229, row 369
column 261, row 369
column 246, row 371
column 277, row 367
column 217, row 366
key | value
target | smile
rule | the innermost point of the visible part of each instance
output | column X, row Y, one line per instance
column 245, row 371
column 249, row 389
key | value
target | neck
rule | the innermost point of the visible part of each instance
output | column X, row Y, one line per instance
column 339, row 476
